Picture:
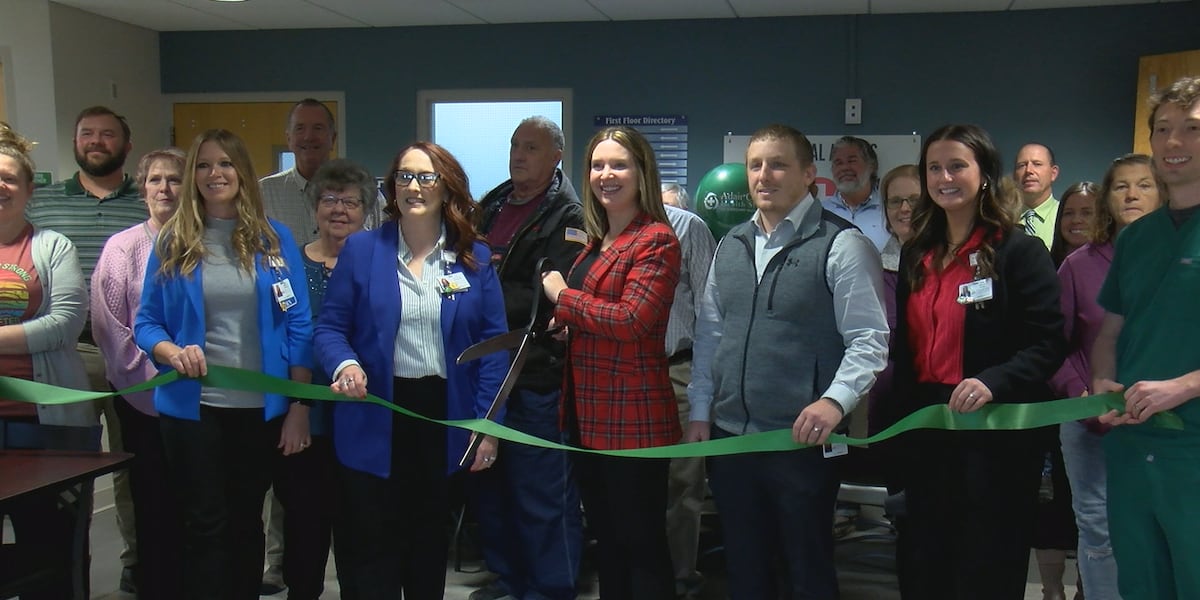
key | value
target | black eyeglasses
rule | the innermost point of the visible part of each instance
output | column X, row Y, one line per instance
column 330, row 201
column 427, row 179
column 897, row 202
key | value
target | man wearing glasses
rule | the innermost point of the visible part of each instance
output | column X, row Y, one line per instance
column 528, row 505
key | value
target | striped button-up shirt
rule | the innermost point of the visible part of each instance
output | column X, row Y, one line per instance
column 420, row 350
column 697, row 245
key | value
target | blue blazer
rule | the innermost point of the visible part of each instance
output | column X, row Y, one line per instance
column 172, row 310
column 359, row 322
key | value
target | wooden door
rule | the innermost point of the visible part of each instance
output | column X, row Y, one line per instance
column 1155, row 73
column 261, row 125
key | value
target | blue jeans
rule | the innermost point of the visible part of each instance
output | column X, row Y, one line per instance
column 1083, row 453
column 528, row 506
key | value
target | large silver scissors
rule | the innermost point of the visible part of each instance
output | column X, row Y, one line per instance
column 520, row 339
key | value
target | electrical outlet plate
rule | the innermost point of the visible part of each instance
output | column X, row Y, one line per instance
column 854, row 111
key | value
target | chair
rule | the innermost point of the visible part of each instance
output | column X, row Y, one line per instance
column 20, row 573
column 865, row 510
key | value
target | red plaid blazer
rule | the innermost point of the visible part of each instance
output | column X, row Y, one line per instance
column 617, row 378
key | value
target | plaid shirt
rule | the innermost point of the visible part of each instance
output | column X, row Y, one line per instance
column 618, row 380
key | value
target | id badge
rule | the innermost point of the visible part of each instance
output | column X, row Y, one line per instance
column 834, row 450
column 979, row 290
column 453, row 283
column 283, row 294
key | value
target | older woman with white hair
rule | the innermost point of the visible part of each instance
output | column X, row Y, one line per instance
column 342, row 194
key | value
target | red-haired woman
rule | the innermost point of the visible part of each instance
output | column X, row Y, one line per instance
column 405, row 300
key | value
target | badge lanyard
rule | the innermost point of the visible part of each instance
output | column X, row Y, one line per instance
column 285, row 296
column 451, row 283
column 979, row 290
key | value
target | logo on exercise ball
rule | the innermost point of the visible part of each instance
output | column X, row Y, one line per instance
column 724, row 198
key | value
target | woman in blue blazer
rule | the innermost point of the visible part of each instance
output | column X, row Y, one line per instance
column 224, row 286
column 403, row 302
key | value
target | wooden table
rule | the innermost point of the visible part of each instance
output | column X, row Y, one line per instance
column 55, row 474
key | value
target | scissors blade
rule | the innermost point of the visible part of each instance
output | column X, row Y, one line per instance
column 514, row 371
column 504, row 341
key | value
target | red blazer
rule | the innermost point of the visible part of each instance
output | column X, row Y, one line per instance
column 618, row 381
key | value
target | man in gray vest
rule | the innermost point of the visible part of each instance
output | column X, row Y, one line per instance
column 790, row 333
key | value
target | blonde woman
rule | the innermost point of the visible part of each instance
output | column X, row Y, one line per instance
column 225, row 285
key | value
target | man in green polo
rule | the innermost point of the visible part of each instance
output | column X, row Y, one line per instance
column 96, row 202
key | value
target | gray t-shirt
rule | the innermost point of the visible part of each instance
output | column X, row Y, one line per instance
column 230, row 315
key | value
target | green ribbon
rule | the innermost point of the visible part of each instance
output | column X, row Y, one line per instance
column 992, row 417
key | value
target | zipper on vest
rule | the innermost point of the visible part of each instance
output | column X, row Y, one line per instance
column 745, row 353
column 750, row 329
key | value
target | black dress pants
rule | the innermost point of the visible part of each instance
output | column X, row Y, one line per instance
column 971, row 499
column 392, row 532
column 306, row 485
column 220, row 470
column 625, row 501
column 156, row 509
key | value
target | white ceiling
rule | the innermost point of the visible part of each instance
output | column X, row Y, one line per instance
column 204, row 15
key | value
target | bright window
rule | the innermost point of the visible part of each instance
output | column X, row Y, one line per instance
column 477, row 125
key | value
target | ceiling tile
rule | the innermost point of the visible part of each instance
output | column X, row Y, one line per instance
column 1040, row 4
column 643, row 10
column 274, row 14
column 401, row 13
column 936, row 6
column 790, row 8
column 190, row 15
column 529, row 11
column 157, row 15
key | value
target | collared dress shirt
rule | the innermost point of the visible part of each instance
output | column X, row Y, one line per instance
column 870, row 217
column 697, row 247
column 1041, row 222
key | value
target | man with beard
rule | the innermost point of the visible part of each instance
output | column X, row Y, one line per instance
column 98, row 201
column 856, row 173
column 1035, row 172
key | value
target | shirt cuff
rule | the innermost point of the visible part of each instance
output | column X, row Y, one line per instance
column 844, row 396
column 345, row 363
column 700, row 411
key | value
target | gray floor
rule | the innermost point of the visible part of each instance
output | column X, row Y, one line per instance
column 862, row 573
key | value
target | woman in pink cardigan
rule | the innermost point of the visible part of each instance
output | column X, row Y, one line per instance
column 116, row 293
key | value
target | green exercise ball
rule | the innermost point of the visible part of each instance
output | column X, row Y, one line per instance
column 723, row 198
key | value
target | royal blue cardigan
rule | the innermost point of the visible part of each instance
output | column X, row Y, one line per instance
column 359, row 321
column 172, row 310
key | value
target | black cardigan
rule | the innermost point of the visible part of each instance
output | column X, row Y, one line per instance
column 1014, row 344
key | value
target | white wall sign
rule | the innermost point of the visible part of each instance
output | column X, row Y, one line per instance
column 893, row 151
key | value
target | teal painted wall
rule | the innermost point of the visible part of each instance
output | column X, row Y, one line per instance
column 1065, row 77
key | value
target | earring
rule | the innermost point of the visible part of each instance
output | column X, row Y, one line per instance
column 985, row 185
